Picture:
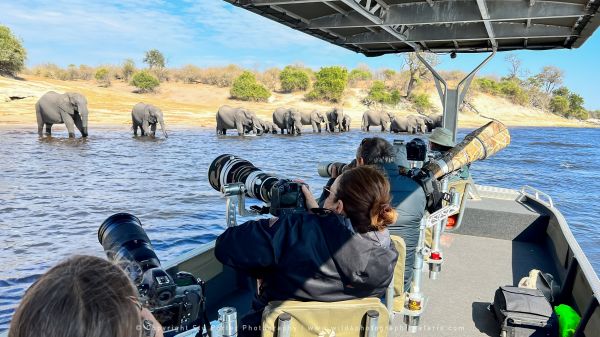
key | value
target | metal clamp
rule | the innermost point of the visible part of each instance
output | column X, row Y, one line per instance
column 536, row 194
column 236, row 202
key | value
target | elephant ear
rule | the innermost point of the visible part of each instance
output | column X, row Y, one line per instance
column 65, row 104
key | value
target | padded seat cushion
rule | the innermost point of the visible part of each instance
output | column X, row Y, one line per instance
column 312, row 319
column 399, row 273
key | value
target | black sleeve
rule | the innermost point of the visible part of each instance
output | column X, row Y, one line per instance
column 324, row 193
column 247, row 247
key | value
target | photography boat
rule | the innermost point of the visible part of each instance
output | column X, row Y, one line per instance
column 499, row 234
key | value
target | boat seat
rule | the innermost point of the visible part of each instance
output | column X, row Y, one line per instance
column 342, row 319
column 312, row 319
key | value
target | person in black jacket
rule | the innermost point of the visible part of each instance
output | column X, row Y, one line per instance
column 345, row 253
column 408, row 198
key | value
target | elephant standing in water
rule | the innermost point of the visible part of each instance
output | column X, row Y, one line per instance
column 314, row 118
column 335, row 118
column 289, row 119
column 438, row 120
column 236, row 118
column 406, row 124
column 70, row 108
column 375, row 118
column 269, row 127
column 145, row 116
column 346, row 121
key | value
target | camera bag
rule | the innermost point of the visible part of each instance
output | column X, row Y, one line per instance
column 523, row 312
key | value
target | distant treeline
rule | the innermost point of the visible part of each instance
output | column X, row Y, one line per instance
column 406, row 88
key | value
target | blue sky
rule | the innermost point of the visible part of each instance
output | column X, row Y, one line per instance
column 212, row 32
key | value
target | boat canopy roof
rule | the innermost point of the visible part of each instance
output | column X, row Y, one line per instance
column 378, row 27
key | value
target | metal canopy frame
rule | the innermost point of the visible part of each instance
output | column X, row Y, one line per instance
column 377, row 27
column 452, row 98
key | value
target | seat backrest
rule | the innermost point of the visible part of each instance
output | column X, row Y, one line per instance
column 398, row 300
column 312, row 319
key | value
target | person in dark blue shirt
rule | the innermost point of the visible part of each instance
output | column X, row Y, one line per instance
column 408, row 198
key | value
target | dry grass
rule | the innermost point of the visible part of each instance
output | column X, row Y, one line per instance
column 196, row 104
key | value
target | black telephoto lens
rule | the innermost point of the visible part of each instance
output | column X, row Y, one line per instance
column 122, row 237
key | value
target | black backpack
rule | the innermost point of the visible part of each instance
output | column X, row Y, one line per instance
column 523, row 312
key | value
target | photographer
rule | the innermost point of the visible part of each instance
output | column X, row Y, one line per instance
column 343, row 252
column 83, row 296
column 407, row 196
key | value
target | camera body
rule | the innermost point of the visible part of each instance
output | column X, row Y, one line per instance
column 175, row 301
column 287, row 198
column 416, row 150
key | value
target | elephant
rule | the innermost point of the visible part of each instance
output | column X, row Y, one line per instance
column 420, row 125
column 374, row 118
column 314, row 118
column 438, row 120
column 429, row 123
column 335, row 118
column 69, row 108
column 146, row 116
column 346, row 121
column 404, row 124
column 236, row 118
column 289, row 119
column 269, row 127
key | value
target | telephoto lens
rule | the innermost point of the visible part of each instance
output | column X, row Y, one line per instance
column 325, row 168
column 228, row 169
column 123, row 238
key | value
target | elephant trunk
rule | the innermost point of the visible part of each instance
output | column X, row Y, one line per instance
column 83, row 112
column 162, row 128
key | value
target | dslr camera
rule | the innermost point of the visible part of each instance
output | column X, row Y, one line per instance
column 284, row 196
column 176, row 299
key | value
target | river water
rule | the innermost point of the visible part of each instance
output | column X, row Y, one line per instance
column 55, row 192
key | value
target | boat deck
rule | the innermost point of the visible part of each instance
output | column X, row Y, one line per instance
column 473, row 269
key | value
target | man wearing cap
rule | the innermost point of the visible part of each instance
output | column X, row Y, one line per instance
column 408, row 197
column 441, row 141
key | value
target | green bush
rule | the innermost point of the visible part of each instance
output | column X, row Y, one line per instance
column 12, row 53
column 509, row 88
column 359, row 75
column 488, row 86
column 144, row 81
column 102, row 76
column 379, row 93
column 246, row 88
column 330, row 84
column 513, row 90
column 421, row 102
column 293, row 79
column 559, row 105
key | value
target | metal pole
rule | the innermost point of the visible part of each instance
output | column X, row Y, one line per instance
column 452, row 98
column 435, row 258
column 284, row 325
column 372, row 323
column 228, row 320
column 415, row 297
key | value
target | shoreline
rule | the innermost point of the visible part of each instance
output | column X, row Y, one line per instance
column 195, row 105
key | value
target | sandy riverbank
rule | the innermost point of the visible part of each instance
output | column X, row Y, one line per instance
column 195, row 105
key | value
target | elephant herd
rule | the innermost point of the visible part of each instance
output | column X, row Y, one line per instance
column 288, row 120
column 71, row 109
column 409, row 124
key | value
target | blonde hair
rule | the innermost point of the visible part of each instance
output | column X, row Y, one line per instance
column 82, row 296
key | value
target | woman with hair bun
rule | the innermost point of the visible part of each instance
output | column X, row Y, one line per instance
column 340, row 252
